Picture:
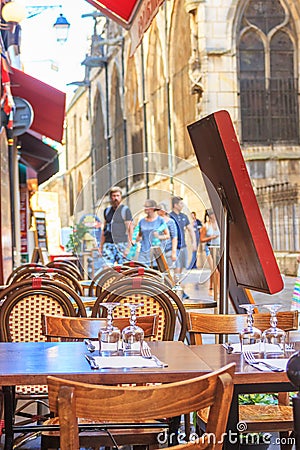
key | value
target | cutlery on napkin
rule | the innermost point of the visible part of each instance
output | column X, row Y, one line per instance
column 121, row 362
column 254, row 348
column 91, row 362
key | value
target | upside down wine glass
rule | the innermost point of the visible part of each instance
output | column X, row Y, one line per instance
column 274, row 335
column 132, row 335
column 250, row 334
column 109, row 336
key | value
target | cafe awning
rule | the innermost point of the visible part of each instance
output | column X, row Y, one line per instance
column 135, row 15
column 38, row 155
column 47, row 102
column 121, row 12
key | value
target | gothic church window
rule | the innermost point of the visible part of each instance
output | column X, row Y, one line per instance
column 267, row 73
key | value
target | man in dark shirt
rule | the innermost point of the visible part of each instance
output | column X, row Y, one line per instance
column 197, row 225
column 117, row 232
column 182, row 223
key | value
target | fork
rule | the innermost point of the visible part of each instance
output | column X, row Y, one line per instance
column 252, row 361
column 146, row 350
column 147, row 354
column 290, row 347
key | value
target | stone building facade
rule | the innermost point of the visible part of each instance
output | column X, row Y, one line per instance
column 128, row 124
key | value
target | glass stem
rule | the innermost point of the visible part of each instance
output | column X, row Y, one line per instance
column 273, row 320
column 250, row 319
column 109, row 319
column 133, row 317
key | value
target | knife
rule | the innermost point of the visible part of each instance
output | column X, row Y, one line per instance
column 92, row 362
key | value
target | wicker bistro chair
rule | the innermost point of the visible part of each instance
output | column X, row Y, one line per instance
column 148, row 272
column 127, row 404
column 67, row 267
column 102, row 280
column 276, row 418
column 42, row 284
column 107, row 276
column 157, row 299
column 22, row 306
column 22, row 268
column 52, row 273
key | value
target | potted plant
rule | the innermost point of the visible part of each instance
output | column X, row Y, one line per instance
column 74, row 243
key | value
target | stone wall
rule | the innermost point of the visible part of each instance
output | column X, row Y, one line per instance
column 287, row 263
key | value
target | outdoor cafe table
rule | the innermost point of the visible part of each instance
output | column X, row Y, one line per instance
column 246, row 379
column 31, row 363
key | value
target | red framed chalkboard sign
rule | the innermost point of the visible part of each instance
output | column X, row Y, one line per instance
column 40, row 253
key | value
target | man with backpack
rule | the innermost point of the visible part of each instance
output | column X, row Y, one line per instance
column 117, row 232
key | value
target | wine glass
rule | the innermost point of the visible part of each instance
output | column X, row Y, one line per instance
column 109, row 336
column 132, row 335
column 249, row 334
column 274, row 335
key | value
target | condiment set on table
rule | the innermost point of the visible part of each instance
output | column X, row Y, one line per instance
column 110, row 336
column 126, row 349
column 271, row 343
column 272, row 340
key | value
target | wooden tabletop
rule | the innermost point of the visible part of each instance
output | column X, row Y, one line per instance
column 32, row 362
column 215, row 356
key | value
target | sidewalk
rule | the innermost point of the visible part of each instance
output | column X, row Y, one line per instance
column 196, row 283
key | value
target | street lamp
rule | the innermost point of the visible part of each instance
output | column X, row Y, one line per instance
column 62, row 28
column 14, row 12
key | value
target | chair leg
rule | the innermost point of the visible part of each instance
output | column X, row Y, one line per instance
column 187, row 426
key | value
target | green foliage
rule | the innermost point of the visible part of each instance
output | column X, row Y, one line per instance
column 258, row 399
column 74, row 243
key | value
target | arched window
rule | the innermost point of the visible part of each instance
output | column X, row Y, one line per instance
column 267, row 69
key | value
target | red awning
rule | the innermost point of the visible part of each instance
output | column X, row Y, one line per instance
column 134, row 14
column 48, row 103
column 121, row 11
column 38, row 155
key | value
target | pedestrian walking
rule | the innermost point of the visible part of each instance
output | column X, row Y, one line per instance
column 152, row 231
column 170, row 246
column 182, row 223
column 210, row 236
column 117, row 232
column 197, row 225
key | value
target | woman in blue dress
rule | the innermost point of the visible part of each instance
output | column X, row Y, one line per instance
column 152, row 231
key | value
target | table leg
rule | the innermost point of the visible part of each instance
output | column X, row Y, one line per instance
column 9, row 407
column 231, row 441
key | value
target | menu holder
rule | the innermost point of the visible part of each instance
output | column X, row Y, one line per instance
column 247, row 256
column 40, row 252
